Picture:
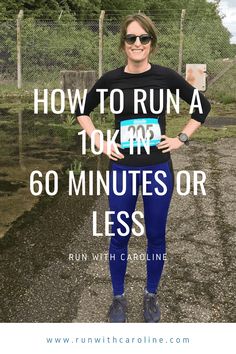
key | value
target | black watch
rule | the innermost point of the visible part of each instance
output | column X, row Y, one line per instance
column 183, row 138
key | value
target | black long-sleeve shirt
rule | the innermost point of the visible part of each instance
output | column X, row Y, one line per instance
column 127, row 122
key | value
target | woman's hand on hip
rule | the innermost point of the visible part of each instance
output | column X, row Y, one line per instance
column 169, row 144
column 112, row 152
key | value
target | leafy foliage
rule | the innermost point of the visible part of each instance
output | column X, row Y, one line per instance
column 68, row 39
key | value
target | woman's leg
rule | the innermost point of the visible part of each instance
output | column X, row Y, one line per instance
column 155, row 212
column 119, row 244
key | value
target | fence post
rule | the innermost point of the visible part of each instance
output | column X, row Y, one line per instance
column 100, row 50
column 18, row 48
column 181, row 41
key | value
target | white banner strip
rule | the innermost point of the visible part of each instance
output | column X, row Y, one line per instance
column 104, row 338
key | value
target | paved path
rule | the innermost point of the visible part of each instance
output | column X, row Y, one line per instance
column 39, row 284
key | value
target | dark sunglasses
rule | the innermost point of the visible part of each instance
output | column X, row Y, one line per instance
column 144, row 38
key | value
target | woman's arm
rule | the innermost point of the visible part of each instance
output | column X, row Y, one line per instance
column 174, row 143
column 176, row 81
column 83, row 118
column 87, row 124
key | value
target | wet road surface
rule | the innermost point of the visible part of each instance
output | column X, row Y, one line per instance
column 38, row 282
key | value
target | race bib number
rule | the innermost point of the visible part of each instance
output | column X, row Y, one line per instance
column 141, row 131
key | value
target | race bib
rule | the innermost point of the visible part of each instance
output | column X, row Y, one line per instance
column 140, row 131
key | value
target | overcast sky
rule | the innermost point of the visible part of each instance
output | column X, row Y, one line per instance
column 228, row 8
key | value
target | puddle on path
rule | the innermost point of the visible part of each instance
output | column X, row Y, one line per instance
column 32, row 142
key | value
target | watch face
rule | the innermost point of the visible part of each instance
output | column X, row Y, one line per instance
column 183, row 137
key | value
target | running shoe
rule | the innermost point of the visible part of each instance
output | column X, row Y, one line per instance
column 151, row 307
column 118, row 309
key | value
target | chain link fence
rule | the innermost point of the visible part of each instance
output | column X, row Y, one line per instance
column 48, row 47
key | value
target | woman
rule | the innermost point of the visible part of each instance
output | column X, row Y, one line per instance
column 138, row 40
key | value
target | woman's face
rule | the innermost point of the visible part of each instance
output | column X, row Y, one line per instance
column 137, row 52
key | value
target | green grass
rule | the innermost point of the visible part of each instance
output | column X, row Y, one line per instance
column 205, row 134
column 9, row 89
column 75, row 166
column 223, row 110
column 224, row 89
column 62, row 126
column 175, row 123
